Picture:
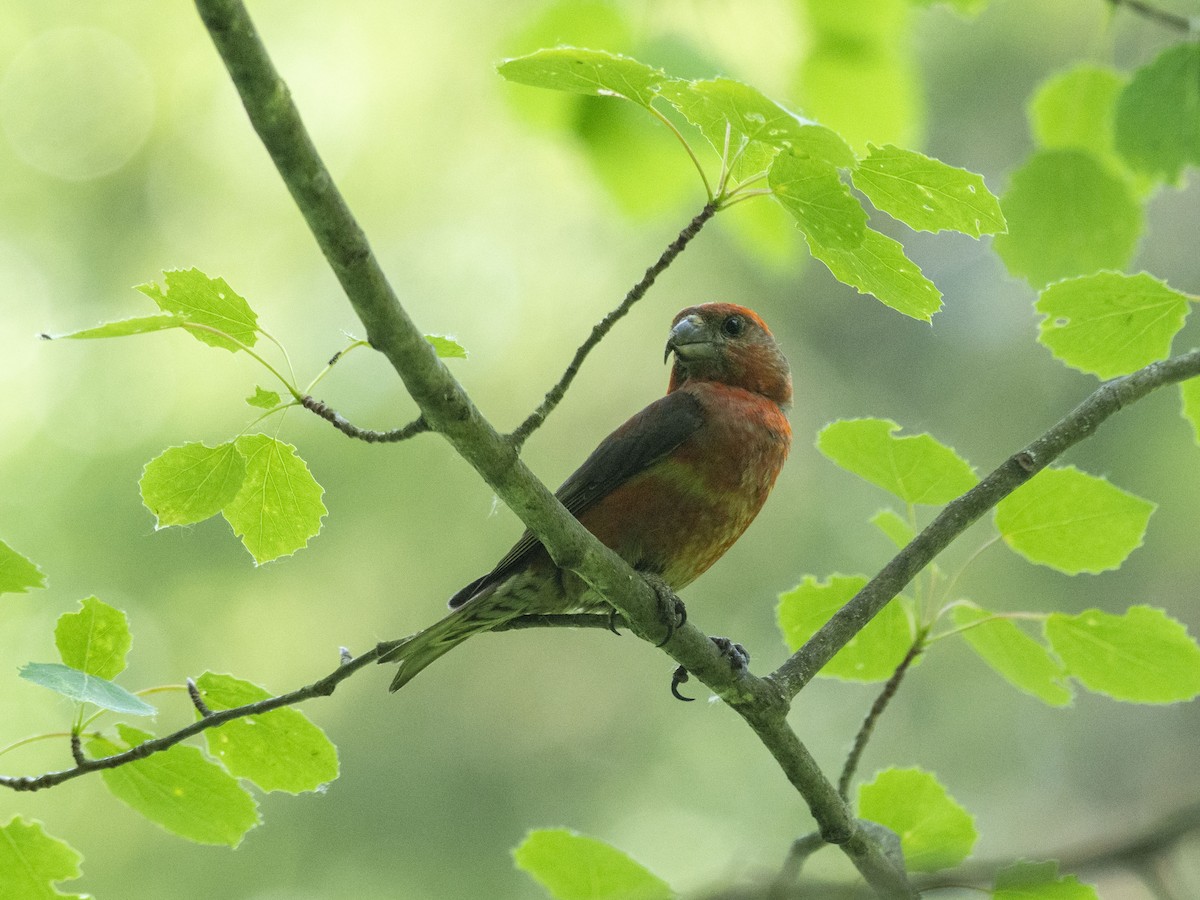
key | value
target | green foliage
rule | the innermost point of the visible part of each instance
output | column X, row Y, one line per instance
column 756, row 135
column 1076, row 109
column 857, row 76
column 1039, row 881
column 1157, row 130
column 873, row 653
column 124, row 327
column 580, row 71
column 94, row 640
column 926, row 194
column 85, row 688
column 821, row 203
column 916, row 468
column 1190, row 396
column 263, row 399
column 1058, row 186
column 935, row 832
column 894, row 528
column 31, row 861
column 1073, row 522
column 180, row 790
column 279, row 750
column 1017, row 658
column 572, row 866
column 258, row 483
column 18, row 574
column 1143, row 656
column 278, row 507
column 880, row 267
column 1110, row 324
column 225, row 318
column 191, row 483
column 446, row 347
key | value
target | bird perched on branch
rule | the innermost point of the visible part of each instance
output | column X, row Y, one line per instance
column 670, row 490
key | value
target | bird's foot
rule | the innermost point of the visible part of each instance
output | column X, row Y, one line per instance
column 738, row 656
column 672, row 612
column 739, row 661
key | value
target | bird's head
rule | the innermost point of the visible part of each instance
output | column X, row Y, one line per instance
column 729, row 344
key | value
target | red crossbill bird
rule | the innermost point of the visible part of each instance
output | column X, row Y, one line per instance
column 670, row 490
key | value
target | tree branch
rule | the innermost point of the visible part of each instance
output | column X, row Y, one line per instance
column 208, row 719
column 1185, row 24
column 600, row 329
column 960, row 514
column 333, row 417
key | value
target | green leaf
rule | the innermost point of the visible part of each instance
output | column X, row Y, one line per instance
column 813, row 192
column 752, row 118
column 208, row 302
column 85, row 688
column 572, row 866
column 18, row 574
column 1144, row 656
column 1076, row 109
column 1157, row 125
column 179, row 790
column 871, row 655
column 446, row 347
column 916, row 468
column 1110, row 324
column 858, row 77
column 879, row 267
column 1067, row 215
column 278, row 507
column 1073, row 522
column 190, row 483
column 1039, row 881
column 124, row 327
column 1189, row 392
column 935, row 832
column 1014, row 656
column 279, row 750
column 263, row 399
column 926, row 194
column 31, row 861
column 894, row 528
column 94, row 640
column 580, row 71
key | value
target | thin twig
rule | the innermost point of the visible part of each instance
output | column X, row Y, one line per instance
column 960, row 514
column 321, row 688
column 868, row 726
column 1172, row 20
column 338, row 421
column 600, row 329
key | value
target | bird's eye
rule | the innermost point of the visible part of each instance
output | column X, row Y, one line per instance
column 733, row 326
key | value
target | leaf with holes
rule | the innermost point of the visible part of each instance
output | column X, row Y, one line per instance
column 208, row 302
column 927, row 194
column 1109, row 323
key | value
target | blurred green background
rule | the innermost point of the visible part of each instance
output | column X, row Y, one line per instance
column 513, row 222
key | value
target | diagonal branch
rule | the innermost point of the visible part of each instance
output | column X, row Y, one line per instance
column 600, row 329
column 960, row 514
column 1175, row 21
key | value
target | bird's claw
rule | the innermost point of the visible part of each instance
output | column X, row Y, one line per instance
column 671, row 608
column 738, row 656
column 613, row 615
column 680, row 676
column 739, row 661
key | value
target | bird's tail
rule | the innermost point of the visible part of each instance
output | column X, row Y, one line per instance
column 418, row 651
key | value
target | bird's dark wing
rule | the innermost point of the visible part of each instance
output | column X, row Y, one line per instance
column 635, row 446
